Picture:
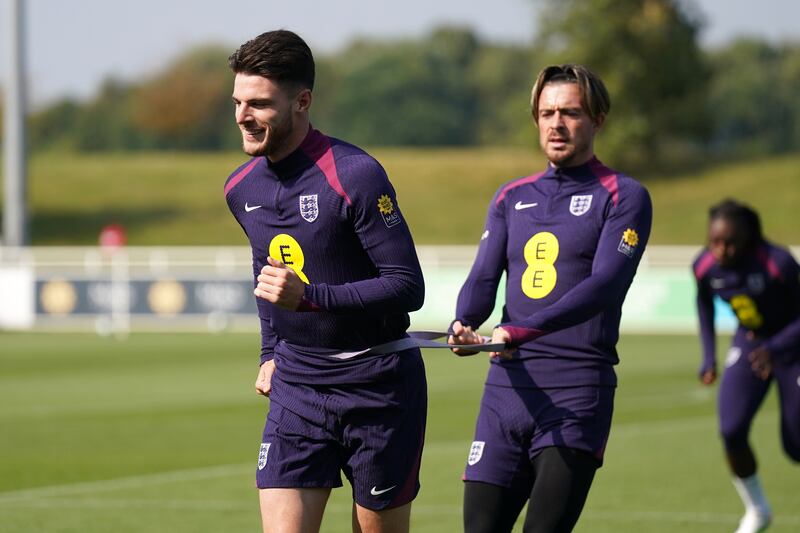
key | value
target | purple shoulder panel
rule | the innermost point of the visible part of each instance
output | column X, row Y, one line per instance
column 318, row 147
column 240, row 175
column 607, row 178
column 703, row 264
column 516, row 183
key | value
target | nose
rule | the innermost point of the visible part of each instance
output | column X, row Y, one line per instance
column 242, row 113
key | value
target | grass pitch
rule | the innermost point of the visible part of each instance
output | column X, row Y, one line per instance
column 160, row 433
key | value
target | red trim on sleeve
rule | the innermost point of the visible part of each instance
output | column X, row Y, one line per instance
column 318, row 147
column 234, row 181
column 704, row 265
column 607, row 177
column 522, row 335
column 517, row 183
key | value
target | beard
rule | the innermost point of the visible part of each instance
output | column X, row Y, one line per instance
column 276, row 137
column 573, row 152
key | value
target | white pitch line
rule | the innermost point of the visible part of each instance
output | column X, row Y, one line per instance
column 121, row 483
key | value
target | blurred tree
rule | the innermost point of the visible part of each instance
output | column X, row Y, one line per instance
column 106, row 123
column 754, row 91
column 188, row 105
column 502, row 77
column 647, row 53
column 790, row 88
column 54, row 126
column 407, row 93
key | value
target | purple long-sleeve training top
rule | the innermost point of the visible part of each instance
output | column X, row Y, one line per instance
column 329, row 212
column 570, row 241
column 764, row 293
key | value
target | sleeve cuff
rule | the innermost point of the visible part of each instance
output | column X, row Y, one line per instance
column 521, row 335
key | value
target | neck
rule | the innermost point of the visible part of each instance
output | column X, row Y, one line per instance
column 295, row 139
column 573, row 162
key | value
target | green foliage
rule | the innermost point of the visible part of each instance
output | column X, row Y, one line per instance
column 646, row 52
column 672, row 103
column 754, row 93
column 188, row 105
column 106, row 123
column 407, row 93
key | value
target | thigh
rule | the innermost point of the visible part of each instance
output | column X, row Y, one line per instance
column 292, row 510
column 563, row 477
column 490, row 508
column 383, row 431
column 394, row 520
column 499, row 454
column 297, row 449
column 578, row 418
column 787, row 376
column 741, row 393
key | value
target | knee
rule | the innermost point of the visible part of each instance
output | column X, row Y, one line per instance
column 734, row 436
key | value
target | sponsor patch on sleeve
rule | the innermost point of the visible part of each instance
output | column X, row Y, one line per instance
column 629, row 242
column 386, row 208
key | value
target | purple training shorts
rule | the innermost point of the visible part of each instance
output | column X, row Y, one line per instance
column 372, row 432
column 515, row 424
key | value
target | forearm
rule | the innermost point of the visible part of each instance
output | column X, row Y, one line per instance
column 579, row 304
column 786, row 343
column 708, row 338
column 398, row 290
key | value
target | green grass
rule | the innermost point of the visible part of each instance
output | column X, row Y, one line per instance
column 160, row 433
column 176, row 198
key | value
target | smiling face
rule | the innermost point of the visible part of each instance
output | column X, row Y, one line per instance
column 566, row 131
column 273, row 122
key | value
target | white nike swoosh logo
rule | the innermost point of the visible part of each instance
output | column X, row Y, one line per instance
column 376, row 492
column 520, row 205
column 249, row 208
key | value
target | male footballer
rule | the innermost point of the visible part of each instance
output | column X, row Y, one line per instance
column 569, row 239
column 335, row 275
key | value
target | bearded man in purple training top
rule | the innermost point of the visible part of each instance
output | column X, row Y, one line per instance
column 335, row 274
column 569, row 239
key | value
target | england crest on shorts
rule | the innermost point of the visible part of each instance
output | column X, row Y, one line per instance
column 733, row 355
column 475, row 452
column 262, row 455
column 580, row 203
column 309, row 207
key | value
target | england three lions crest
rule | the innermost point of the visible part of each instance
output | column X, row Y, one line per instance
column 263, row 453
column 309, row 207
column 475, row 452
column 580, row 204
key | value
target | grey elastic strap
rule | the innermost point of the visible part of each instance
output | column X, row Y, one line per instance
column 422, row 339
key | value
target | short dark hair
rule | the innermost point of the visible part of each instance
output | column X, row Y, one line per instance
column 740, row 214
column 594, row 95
column 280, row 55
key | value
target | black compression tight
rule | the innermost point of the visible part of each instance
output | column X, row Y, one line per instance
column 562, row 478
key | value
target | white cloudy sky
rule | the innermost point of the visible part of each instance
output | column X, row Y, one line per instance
column 73, row 44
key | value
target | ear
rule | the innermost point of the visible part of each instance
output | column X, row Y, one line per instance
column 304, row 99
column 598, row 122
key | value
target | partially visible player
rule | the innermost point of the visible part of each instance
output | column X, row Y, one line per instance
column 335, row 274
column 760, row 282
column 570, row 239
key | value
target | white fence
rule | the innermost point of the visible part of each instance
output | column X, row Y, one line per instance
column 210, row 288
